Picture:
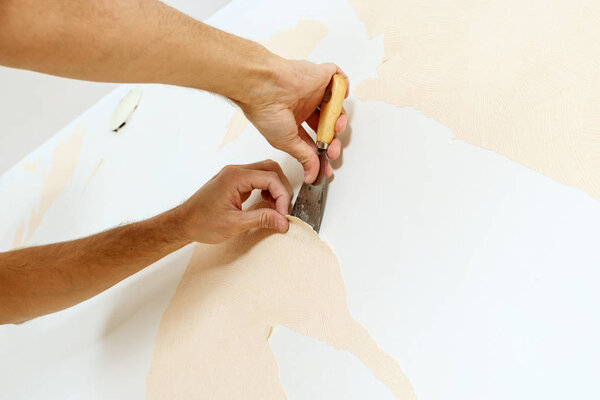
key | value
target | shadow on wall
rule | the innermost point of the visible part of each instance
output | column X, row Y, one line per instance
column 130, row 328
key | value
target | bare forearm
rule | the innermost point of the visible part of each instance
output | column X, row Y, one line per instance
column 39, row 280
column 130, row 41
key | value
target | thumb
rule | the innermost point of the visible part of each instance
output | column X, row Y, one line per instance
column 305, row 154
column 265, row 218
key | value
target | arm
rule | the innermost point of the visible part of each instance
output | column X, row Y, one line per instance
column 43, row 279
column 128, row 41
column 148, row 41
column 39, row 280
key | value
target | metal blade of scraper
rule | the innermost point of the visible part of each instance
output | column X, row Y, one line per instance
column 310, row 203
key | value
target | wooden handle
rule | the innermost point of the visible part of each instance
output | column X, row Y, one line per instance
column 331, row 107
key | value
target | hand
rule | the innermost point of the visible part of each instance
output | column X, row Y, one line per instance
column 214, row 213
column 289, row 100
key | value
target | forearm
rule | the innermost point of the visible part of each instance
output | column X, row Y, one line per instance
column 39, row 280
column 130, row 41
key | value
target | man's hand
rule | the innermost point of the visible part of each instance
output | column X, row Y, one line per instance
column 214, row 213
column 39, row 280
column 290, row 98
column 148, row 41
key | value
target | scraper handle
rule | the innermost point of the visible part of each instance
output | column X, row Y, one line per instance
column 331, row 107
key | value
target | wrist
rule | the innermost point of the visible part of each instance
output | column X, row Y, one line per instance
column 175, row 223
column 261, row 79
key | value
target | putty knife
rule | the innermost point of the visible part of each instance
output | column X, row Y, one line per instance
column 310, row 202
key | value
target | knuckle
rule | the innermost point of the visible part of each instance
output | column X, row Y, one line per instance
column 265, row 220
column 229, row 172
column 227, row 169
column 306, row 161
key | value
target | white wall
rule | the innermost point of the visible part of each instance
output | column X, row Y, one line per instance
column 34, row 106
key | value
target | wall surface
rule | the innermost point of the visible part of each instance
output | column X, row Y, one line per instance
column 476, row 274
column 34, row 106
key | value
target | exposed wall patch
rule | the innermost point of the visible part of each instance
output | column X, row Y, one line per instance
column 212, row 340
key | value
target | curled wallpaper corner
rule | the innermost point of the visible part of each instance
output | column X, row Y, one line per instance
column 125, row 108
column 212, row 340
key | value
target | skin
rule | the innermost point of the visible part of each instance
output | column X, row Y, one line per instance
column 147, row 41
column 43, row 279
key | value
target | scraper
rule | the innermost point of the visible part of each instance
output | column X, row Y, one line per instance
column 310, row 202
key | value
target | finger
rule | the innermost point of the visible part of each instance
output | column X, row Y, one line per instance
column 337, row 70
column 329, row 69
column 298, row 147
column 266, row 196
column 265, row 180
column 306, row 138
column 268, row 199
column 265, row 218
column 342, row 73
column 334, row 149
column 244, row 196
column 313, row 120
column 342, row 122
column 270, row 165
